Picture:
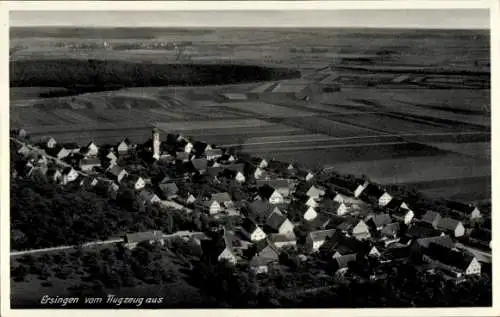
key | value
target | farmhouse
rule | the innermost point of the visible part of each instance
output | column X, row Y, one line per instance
column 452, row 226
column 315, row 239
column 432, row 218
column 305, row 175
column 117, row 173
column 374, row 193
column 90, row 149
column 467, row 211
column 252, row 231
column 184, row 146
column 396, row 204
column 378, row 221
column 148, row 198
column 88, row 164
column 403, row 215
column 259, row 162
column 199, row 148
column 444, row 241
column 355, row 228
column 270, row 194
column 212, row 206
column 69, row 175
column 48, row 142
column 283, row 240
column 282, row 186
column 421, row 229
column 58, row 151
column 131, row 240
column 234, row 175
column 331, row 206
column 222, row 248
column 255, row 173
column 308, row 213
column 264, row 258
column 278, row 223
column 123, row 147
column 390, row 231
column 462, row 263
column 345, row 187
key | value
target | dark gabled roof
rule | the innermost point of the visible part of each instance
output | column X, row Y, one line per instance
column 200, row 147
column 265, row 256
column 445, row 241
column 257, row 160
column 399, row 212
column 458, row 259
column 395, row 253
column 422, row 230
column 391, row 229
column 372, row 191
column 320, row 222
column 275, row 183
column 343, row 261
column 481, row 235
column 431, row 216
column 380, row 219
column 172, row 138
column 214, row 171
column 259, row 207
column 275, row 220
column 197, row 164
column 394, row 204
column 67, row 170
column 266, row 191
column 448, row 223
column 329, row 205
column 249, row 225
column 169, row 189
column 182, row 155
column 337, row 183
column 115, row 170
column 277, row 237
column 213, row 152
column 143, row 236
column 460, row 207
column 70, row 145
column 321, row 235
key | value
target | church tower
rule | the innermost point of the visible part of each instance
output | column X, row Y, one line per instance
column 156, row 144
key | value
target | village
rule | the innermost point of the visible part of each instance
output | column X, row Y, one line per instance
column 279, row 206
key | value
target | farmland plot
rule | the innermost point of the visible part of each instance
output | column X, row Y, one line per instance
column 267, row 109
column 210, row 124
column 330, row 127
column 479, row 149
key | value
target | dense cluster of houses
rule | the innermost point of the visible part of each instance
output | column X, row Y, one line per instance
column 345, row 219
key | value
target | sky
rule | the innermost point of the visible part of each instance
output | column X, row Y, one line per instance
column 414, row 18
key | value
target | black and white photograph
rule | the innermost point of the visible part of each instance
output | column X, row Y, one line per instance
column 209, row 159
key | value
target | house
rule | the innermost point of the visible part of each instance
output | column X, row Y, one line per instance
column 224, row 199
column 88, row 164
column 308, row 213
column 315, row 192
column 270, row 194
column 252, row 231
column 186, row 198
column 54, row 175
column 200, row 147
column 283, row 186
column 378, row 221
column 259, row 162
column 255, row 172
column 265, row 257
column 72, row 147
column 341, row 263
column 280, row 240
column 444, row 241
column 89, row 182
column 355, row 228
column 234, row 175
column 403, row 215
column 123, row 147
column 48, row 142
column 131, row 240
column 148, row 198
column 308, row 201
column 305, row 175
column 214, row 171
column 24, row 150
column 212, row 206
column 226, row 158
column 421, row 229
column 111, row 156
column 169, row 190
column 58, row 151
column 184, row 146
column 331, row 206
column 90, row 149
column 468, row 211
column 481, row 237
column 453, row 226
column 259, row 209
column 345, row 187
column 213, row 154
column 432, row 218
column 374, row 193
column 321, row 222
column 117, row 173
column 20, row 133
column 390, row 231
column 69, row 175
column 136, row 182
column 396, row 204
column 460, row 262
column 221, row 248
column 37, row 171
column 316, row 239
column 360, row 189
column 278, row 223
column 199, row 165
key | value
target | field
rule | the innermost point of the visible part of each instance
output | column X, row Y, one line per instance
column 406, row 107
